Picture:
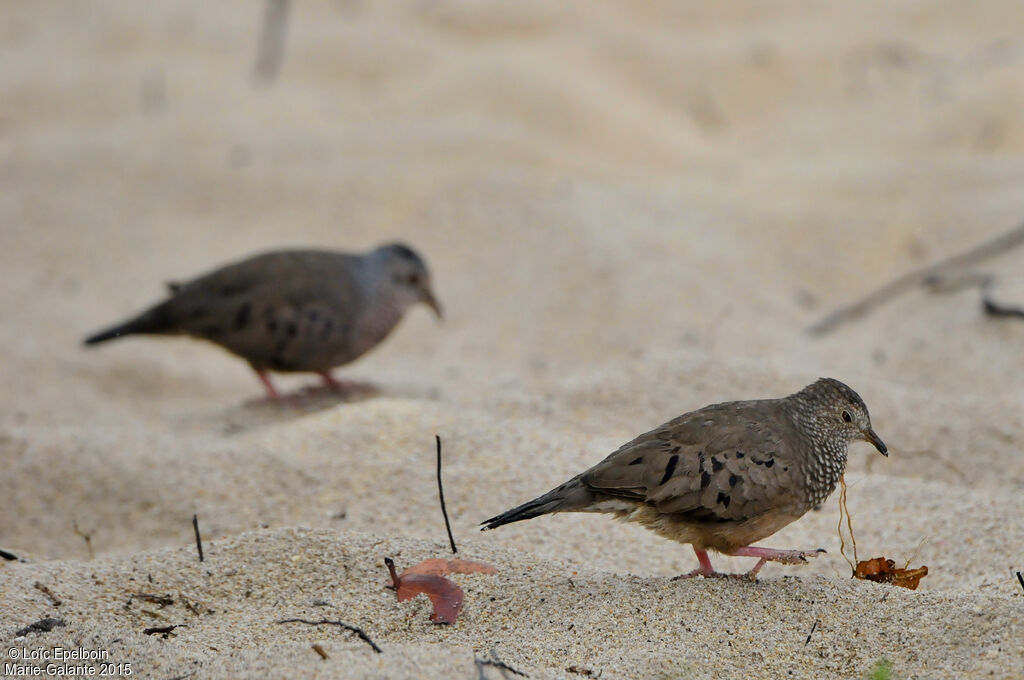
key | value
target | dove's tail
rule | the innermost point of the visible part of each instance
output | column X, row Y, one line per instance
column 573, row 495
column 155, row 321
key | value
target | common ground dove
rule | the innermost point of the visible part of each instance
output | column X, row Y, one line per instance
column 724, row 476
column 292, row 310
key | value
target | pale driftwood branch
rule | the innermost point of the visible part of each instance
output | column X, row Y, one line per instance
column 931, row 275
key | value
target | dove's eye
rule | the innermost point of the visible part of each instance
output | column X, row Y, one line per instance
column 846, row 417
column 413, row 279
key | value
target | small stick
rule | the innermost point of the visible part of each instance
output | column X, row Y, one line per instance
column 440, row 493
column 813, row 628
column 320, row 650
column 494, row 661
column 390, row 564
column 162, row 630
column 347, row 626
column 995, row 309
column 9, row 556
column 849, row 523
column 1020, row 577
column 199, row 540
column 41, row 587
column 996, row 246
column 87, row 537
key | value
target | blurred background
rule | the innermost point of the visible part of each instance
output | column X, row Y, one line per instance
column 631, row 210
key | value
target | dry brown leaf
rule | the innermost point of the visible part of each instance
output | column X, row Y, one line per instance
column 440, row 567
column 882, row 570
column 445, row 596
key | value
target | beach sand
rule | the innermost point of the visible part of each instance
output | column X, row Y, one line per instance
column 630, row 212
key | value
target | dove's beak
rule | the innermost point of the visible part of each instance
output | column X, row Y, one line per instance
column 877, row 442
column 431, row 301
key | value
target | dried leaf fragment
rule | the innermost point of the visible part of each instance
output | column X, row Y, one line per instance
column 882, row 570
column 440, row 567
column 445, row 596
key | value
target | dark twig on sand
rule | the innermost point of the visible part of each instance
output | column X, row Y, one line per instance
column 162, row 630
column 1020, row 577
column 440, row 493
column 320, row 651
column 41, row 626
column 495, row 662
column 926, row 275
column 813, row 628
column 270, row 51
column 9, row 556
column 341, row 624
column 199, row 540
column 87, row 537
column 41, row 587
column 995, row 309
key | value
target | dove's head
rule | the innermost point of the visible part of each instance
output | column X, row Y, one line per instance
column 834, row 413
column 404, row 276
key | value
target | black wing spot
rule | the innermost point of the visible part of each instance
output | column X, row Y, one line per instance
column 770, row 462
column 637, row 461
column 700, row 459
column 733, row 480
column 705, row 479
column 674, row 449
column 669, row 469
column 740, row 454
column 716, row 464
column 723, row 498
column 242, row 317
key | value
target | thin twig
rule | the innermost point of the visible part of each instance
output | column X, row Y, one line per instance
column 270, row 50
column 87, row 537
column 813, row 628
column 320, row 651
column 41, row 587
column 162, row 630
column 983, row 251
column 997, row 310
column 843, row 510
column 9, row 556
column 199, row 540
column 347, row 626
column 495, row 662
column 440, row 493
column 390, row 564
column 1020, row 577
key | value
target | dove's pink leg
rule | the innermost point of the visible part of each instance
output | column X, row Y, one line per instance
column 330, row 382
column 773, row 555
column 705, row 569
column 272, row 392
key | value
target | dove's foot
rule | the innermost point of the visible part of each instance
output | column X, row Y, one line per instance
column 346, row 387
column 772, row 555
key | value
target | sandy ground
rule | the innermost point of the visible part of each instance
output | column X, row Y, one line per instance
column 631, row 211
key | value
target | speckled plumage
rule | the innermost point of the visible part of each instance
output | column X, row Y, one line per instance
column 724, row 476
column 295, row 310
